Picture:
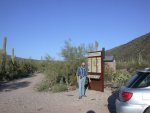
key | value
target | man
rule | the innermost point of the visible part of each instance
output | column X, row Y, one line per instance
column 82, row 74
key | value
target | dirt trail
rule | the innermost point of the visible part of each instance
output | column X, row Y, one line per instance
column 20, row 97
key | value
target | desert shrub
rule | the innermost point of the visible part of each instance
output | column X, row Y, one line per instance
column 120, row 78
column 108, row 75
column 59, row 88
column 12, row 67
column 124, row 70
column 43, row 86
column 73, row 80
column 132, row 64
column 18, row 69
column 130, row 67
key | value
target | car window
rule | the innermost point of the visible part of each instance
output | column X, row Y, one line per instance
column 143, row 80
column 131, row 81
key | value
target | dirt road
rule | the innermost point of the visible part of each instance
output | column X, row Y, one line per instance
column 20, row 97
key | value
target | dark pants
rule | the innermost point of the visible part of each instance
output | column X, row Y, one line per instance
column 86, row 84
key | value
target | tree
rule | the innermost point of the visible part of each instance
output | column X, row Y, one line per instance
column 96, row 45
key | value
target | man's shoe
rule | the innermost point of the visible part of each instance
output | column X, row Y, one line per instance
column 84, row 96
column 80, row 97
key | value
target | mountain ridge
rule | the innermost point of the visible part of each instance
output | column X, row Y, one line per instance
column 139, row 46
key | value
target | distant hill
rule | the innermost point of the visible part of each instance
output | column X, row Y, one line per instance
column 19, row 58
column 132, row 49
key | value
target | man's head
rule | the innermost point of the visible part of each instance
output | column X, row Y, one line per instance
column 83, row 64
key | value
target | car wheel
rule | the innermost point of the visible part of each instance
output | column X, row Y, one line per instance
column 147, row 110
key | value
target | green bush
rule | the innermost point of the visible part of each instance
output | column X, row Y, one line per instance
column 43, row 86
column 59, row 88
column 73, row 80
column 108, row 74
column 127, row 68
column 120, row 78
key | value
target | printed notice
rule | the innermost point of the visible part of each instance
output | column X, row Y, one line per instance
column 89, row 65
column 94, row 65
column 99, row 65
column 94, row 62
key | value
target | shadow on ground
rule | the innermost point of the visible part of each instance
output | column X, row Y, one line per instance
column 91, row 111
column 111, row 102
column 13, row 86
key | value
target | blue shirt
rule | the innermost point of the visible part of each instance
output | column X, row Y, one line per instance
column 82, row 71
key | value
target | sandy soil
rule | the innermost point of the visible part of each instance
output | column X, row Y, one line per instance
column 19, row 96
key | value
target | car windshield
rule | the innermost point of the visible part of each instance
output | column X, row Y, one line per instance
column 139, row 80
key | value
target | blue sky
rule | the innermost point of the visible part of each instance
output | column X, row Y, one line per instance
column 39, row 27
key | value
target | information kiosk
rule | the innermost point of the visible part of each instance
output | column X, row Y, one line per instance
column 96, row 70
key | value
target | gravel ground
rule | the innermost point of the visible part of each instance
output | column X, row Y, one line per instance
column 19, row 96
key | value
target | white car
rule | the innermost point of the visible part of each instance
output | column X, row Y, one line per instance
column 135, row 96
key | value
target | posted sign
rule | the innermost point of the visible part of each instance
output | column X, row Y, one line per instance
column 96, row 70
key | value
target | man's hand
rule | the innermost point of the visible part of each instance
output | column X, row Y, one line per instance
column 89, row 78
column 80, row 77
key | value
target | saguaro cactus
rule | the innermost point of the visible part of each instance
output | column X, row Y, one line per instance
column 140, row 59
column 4, row 45
column 4, row 56
column 13, row 56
